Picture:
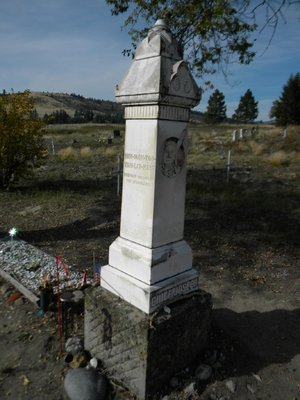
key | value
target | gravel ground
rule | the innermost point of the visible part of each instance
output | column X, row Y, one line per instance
column 253, row 354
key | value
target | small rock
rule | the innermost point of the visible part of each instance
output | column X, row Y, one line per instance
column 49, row 342
column 78, row 295
column 20, row 301
column 257, row 377
column 203, row 372
column 217, row 365
column 49, row 314
column 83, row 384
column 33, row 266
column 93, row 362
column 211, row 357
column 4, row 288
column 231, row 386
column 251, row 388
column 74, row 345
column 190, row 389
column 174, row 382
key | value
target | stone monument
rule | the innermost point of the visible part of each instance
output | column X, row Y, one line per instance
column 149, row 319
column 150, row 263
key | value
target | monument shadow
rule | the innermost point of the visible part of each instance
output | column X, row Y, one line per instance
column 259, row 339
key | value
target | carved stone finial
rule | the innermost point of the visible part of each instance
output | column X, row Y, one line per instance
column 160, row 23
column 158, row 73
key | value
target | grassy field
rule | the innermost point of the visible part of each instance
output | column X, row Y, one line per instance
column 78, row 183
column 75, row 191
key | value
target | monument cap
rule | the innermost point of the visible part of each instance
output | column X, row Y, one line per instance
column 158, row 74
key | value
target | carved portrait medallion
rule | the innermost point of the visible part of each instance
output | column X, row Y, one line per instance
column 173, row 156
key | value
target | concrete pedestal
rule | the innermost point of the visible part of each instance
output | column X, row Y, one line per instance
column 141, row 351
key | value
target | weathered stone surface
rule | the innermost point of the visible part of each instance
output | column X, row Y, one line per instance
column 74, row 345
column 83, row 384
column 158, row 73
column 203, row 372
column 143, row 352
column 148, row 298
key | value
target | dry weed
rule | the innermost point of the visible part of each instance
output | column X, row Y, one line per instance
column 111, row 151
column 85, row 151
column 242, row 147
column 68, row 153
column 257, row 148
column 278, row 158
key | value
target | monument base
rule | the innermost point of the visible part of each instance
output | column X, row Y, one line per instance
column 148, row 297
column 150, row 265
column 143, row 352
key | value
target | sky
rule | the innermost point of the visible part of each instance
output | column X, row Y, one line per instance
column 75, row 46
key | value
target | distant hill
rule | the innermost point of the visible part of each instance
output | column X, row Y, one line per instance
column 196, row 116
column 52, row 104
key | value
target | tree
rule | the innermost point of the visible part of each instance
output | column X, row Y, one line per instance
column 21, row 142
column 216, row 108
column 286, row 109
column 213, row 33
column 247, row 110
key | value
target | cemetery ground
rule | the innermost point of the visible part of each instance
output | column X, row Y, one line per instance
column 244, row 230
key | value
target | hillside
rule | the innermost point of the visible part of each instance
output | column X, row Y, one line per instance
column 49, row 103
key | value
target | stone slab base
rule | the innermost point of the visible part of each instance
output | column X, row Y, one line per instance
column 142, row 352
column 146, row 297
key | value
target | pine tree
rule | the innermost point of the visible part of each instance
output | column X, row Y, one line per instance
column 216, row 108
column 247, row 110
column 286, row 109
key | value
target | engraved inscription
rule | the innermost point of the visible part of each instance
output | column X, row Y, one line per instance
column 174, row 292
column 139, row 168
column 138, row 156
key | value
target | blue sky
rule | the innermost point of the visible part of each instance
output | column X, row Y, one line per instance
column 75, row 46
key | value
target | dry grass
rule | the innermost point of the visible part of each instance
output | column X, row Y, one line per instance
column 257, row 148
column 111, row 152
column 68, row 153
column 279, row 158
column 242, row 147
column 85, row 151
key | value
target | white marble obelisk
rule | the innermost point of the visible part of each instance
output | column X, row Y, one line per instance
column 150, row 263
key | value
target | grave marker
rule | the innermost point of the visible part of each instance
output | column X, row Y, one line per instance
column 150, row 257
column 228, row 165
column 149, row 319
